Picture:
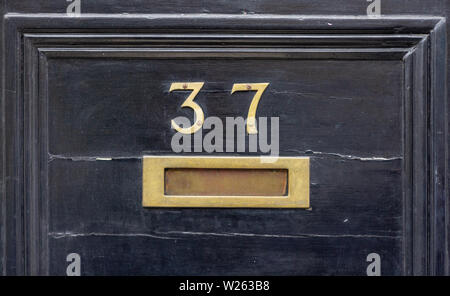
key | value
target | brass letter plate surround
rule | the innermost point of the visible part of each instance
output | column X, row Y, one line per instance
column 225, row 182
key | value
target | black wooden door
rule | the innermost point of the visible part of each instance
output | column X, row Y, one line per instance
column 86, row 95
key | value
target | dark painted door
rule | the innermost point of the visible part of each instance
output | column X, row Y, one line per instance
column 86, row 95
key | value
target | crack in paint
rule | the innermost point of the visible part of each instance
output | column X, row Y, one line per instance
column 306, row 152
column 90, row 158
column 348, row 156
column 168, row 235
column 301, row 235
column 59, row 235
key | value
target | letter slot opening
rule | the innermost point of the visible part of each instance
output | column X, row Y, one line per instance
column 226, row 182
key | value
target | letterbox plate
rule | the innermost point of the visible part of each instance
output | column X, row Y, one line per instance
column 225, row 182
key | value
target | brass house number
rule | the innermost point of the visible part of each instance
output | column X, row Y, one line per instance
column 198, row 111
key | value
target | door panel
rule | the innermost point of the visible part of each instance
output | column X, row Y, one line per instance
column 86, row 98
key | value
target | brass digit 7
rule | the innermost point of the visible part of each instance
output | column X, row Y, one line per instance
column 189, row 103
column 260, row 88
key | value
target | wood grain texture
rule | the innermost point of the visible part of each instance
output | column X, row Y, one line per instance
column 75, row 90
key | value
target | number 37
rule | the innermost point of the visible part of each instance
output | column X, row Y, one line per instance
column 200, row 116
